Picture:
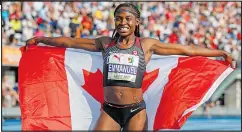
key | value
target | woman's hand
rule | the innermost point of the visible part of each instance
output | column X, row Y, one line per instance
column 229, row 59
column 32, row 41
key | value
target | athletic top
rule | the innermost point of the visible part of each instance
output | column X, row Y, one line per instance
column 124, row 67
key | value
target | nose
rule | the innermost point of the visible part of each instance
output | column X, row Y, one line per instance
column 123, row 22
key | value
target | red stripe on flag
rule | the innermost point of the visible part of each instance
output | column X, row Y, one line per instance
column 187, row 85
column 43, row 89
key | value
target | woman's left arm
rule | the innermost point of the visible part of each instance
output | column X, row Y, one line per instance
column 188, row 50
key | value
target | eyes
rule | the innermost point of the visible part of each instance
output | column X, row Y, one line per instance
column 119, row 19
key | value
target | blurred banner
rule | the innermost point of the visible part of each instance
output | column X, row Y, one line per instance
column 10, row 56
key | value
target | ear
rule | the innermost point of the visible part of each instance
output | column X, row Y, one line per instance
column 137, row 21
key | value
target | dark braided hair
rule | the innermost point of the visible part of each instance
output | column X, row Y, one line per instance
column 137, row 14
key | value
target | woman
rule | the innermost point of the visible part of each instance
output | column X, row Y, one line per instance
column 125, row 57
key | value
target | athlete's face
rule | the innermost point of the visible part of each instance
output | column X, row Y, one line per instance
column 125, row 22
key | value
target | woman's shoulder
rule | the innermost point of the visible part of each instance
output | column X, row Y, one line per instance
column 104, row 40
column 148, row 41
column 144, row 39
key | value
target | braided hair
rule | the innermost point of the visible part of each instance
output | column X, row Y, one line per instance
column 136, row 13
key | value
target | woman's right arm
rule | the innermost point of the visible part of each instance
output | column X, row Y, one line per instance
column 79, row 43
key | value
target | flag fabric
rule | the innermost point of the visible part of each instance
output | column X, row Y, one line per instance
column 61, row 88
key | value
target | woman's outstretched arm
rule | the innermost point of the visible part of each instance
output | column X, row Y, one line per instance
column 80, row 43
column 177, row 49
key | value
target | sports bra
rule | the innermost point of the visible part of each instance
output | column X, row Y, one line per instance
column 124, row 67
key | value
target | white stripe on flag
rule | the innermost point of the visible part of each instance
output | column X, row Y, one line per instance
column 154, row 93
column 82, row 104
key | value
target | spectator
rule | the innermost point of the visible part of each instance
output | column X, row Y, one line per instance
column 173, row 38
column 208, row 24
column 207, row 107
column 10, row 97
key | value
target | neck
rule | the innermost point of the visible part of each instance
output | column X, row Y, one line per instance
column 126, row 40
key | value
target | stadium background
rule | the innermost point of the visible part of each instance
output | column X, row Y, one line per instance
column 215, row 25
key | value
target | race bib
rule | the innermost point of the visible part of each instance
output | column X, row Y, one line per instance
column 122, row 67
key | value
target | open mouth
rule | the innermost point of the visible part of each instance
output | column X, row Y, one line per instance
column 123, row 29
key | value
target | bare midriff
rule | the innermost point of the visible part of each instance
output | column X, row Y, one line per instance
column 122, row 95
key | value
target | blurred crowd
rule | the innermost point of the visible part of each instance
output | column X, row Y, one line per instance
column 215, row 25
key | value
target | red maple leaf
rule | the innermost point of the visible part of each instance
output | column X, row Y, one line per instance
column 94, row 83
column 149, row 78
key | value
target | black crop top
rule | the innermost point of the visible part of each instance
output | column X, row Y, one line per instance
column 124, row 67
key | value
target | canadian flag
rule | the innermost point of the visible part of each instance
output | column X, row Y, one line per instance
column 61, row 89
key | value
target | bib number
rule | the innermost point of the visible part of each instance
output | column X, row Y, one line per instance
column 122, row 67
